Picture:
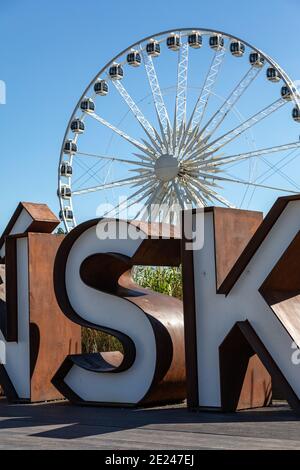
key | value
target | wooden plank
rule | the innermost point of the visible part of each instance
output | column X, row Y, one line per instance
column 62, row 426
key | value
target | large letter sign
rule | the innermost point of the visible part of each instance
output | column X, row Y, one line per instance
column 250, row 308
column 35, row 336
column 94, row 288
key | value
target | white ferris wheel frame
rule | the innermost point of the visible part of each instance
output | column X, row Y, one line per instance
column 180, row 101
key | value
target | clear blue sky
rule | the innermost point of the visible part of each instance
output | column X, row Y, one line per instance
column 50, row 50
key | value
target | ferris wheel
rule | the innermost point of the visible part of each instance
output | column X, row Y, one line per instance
column 171, row 120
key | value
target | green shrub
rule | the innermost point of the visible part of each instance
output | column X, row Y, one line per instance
column 160, row 279
column 163, row 279
column 95, row 341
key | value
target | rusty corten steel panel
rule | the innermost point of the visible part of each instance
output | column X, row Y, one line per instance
column 281, row 289
column 245, row 381
column 2, row 297
column 52, row 335
column 257, row 386
column 233, row 230
column 43, row 220
column 2, row 282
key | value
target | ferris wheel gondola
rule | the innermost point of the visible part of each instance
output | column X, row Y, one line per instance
column 101, row 87
column 153, row 48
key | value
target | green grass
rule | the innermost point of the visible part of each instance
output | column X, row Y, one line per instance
column 96, row 341
column 163, row 279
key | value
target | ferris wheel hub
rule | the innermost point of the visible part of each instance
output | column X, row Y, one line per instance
column 166, row 167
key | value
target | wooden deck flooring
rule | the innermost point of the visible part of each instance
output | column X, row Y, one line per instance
column 63, row 426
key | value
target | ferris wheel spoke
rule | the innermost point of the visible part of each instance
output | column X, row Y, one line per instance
column 205, row 196
column 197, row 200
column 166, row 204
column 276, row 169
column 157, row 199
column 133, row 180
column 178, row 195
column 166, row 195
column 166, row 136
column 187, row 202
column 189, row 143
column 161, row 109
column 135, row 110
column 181, row 92
column 209, row 193
column 245, row 156
column 163, row 204
column 122, row 134
column 146, row 177
column 153, row 196
column 142, row 192
column 151, row 149
column 87, row 171
column 219, row 116
column 116, row 159
column 221, row 199
column 180, row 140
column 148, row 210
column 144, row 158
column 191, row 179
column 247, row 183
column 210, row 80
column 239, row 130
column 171, row 215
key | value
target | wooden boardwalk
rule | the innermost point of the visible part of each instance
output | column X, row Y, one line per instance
column 62, row 426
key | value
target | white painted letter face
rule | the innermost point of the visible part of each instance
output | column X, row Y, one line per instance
column 252, row 293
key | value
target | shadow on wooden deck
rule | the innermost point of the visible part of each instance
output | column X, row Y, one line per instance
column 165, row 426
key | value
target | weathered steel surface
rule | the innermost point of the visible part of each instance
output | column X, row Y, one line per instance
column 52, row 335
column 233, row 230
column 2, row 283
column 2, row 300
column 281, row 289
column 43, row 219
column 245, row 382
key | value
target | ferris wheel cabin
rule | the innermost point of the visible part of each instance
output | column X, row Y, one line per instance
column 87, row 105
column 296, row 114
column 70, row 147
column 173, row 42
column 134, row 58
column 216, row 42
column 116, row 72
column 101, row 87
column 273, row 75
column 256, row 60
column 237, row 48
column 195, row 40
column 153, row 48
column 77, row 126
column 65, row 192
column 66, row 170
column 66, row 214
column 286, row 93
